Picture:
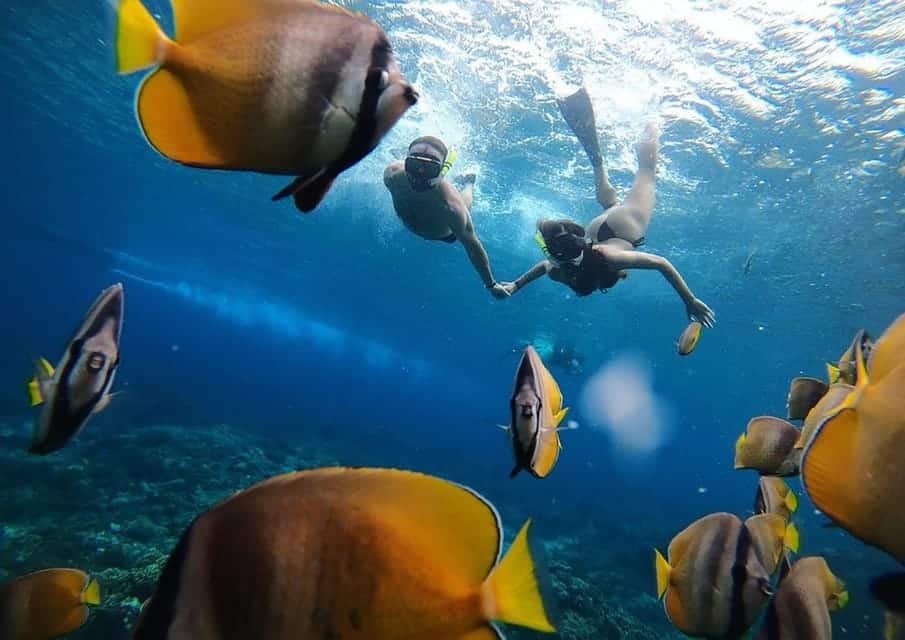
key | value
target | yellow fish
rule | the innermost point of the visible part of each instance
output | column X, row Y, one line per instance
column 852, row 468
column 536, row 411
column 288, row 87
column 768, row 446
column 342, row 554
column 689, row 338
column 803, row 602
column 46, row 604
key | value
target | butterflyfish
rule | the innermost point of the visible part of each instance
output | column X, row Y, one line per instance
column 46, row 604
column 768, row 446
column 689, row 338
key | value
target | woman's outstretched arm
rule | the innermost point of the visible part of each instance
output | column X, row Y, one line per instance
column 621, row 259
column 541, row 268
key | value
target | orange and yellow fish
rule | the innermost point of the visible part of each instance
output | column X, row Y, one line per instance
column 287, row 87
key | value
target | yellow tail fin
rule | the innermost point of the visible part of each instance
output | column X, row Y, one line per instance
column 663, row 570
column 792, row 539
column 139, row 38
column 792, row 501
column 35, row 397
column 832, row 373
column 512, row 592
column 92, row 593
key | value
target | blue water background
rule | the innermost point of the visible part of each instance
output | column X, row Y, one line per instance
column 343, row 324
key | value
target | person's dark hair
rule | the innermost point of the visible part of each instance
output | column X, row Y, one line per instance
column 564, row 239
column 425, row 144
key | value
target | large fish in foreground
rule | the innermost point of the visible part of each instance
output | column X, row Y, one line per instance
column 46, row 604
column 536, row 412
column 853, row 467
column 803, row 603
column 288, row 87
column 80, row 384
column 718, row 575
column 341, row 554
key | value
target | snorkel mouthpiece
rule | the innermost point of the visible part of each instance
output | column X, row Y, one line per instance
column 561, row 241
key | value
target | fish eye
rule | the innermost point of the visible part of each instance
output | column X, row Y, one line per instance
column 96, row 361
column 384, row 80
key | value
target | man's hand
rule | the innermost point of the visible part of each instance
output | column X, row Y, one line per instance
column 500, row 290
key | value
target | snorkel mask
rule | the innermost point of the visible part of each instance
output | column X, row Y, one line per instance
column 427, row 163
column 562, row 242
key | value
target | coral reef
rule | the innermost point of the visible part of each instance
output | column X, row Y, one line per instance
column 115, row 503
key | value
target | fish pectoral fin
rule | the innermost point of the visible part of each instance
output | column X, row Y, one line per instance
column 504, row 427
column 104, row 402
column 560, row 415
column 308, row 191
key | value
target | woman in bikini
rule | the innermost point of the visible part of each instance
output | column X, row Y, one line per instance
column 597, row 258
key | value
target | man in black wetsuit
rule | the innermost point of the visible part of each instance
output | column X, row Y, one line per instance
column 597, row 258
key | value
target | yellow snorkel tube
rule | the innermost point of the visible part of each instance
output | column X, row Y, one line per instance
column 448, row 163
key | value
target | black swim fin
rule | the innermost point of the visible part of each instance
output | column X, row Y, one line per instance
column 515, row 470
column 578, row 113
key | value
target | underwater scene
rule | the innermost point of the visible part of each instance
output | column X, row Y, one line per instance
column 344, row 320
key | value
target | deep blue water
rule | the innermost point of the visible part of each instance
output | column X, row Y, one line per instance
column 782, row 135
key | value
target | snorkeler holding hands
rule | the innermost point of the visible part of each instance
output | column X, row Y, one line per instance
column 598, row 258
column 433, row 208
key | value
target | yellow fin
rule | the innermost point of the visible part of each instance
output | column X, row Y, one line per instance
column 139, row 40
column 739, row 449
column 791, row 539
column 558, row 418
column 832, row 373
column 197, row 18
column 512, row 592
column 662, row 568
column 888, row 351
column 554, row 395
column 842, row 599
column 92, row 593
column 791, row 501
column 34, row 393
column 43, row 374
column 167, row 118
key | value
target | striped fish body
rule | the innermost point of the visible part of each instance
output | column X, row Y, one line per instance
column 81, row 382
column 801, row 608
column 718, row 586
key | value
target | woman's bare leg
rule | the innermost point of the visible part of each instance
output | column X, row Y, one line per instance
column 630, row 219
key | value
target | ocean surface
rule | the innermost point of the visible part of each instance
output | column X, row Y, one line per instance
column 258, row 340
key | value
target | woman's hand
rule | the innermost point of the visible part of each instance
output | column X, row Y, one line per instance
column 506, row 289
column 500, row 290
column 699, row 311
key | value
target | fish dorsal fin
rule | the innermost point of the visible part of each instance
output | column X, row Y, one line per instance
column 888, row 351
column 197, row 18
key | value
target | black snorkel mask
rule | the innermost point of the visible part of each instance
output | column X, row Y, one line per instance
column 562, row 242
column 427, row 162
